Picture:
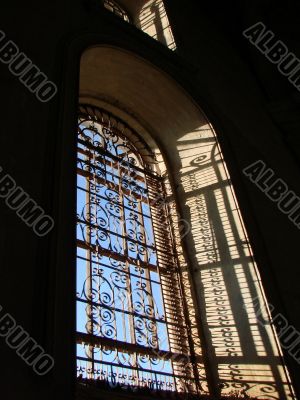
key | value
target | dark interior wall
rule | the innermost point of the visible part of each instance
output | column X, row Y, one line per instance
column 253, row 108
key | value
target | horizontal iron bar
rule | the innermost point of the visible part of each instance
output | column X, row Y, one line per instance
column 129, row 347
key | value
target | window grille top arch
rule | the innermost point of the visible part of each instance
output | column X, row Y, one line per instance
column 118, row 138
column 116, row 9
column 132, row 326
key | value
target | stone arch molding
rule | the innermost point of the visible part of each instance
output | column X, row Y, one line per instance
column 241, row 352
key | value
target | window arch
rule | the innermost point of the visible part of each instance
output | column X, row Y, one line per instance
column 132, row 321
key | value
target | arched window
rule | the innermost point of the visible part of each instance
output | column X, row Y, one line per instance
column 147, row 15
column 116, row 9
column 206, row 281
column 132, row 321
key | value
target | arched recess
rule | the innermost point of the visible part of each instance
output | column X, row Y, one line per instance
column 238, row 349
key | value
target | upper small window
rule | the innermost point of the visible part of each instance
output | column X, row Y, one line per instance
column 116, row 9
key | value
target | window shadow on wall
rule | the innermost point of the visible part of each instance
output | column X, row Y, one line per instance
column 239, row 339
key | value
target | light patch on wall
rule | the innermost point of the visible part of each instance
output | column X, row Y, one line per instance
column 244, row 352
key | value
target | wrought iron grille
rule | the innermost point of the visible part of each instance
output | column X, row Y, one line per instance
column 131, row 325
column 116, row 9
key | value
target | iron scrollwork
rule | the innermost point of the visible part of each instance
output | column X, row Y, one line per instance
column 129, row 327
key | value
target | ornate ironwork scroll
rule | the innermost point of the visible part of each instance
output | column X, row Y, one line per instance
column 132, row 330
